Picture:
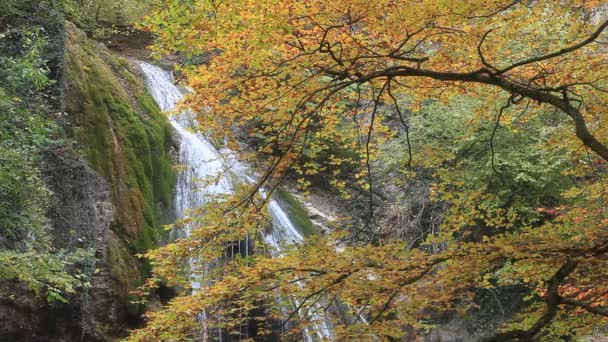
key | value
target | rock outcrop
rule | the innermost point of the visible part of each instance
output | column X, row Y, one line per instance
column 112, row 185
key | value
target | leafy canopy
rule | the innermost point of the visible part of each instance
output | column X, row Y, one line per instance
column 295, row 75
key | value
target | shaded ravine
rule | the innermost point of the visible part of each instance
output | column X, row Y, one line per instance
column 200, row 160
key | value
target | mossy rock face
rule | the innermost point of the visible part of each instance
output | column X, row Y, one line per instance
column 123, row 135
column 297, row 213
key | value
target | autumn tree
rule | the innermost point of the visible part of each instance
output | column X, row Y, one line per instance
column 298, row 75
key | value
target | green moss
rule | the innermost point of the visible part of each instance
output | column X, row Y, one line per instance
column 122, row 264
column 124, row 136
column 296, row 212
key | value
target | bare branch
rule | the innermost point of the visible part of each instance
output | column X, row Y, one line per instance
column 480, row 53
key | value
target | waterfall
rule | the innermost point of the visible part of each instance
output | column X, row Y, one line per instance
column 201, row 161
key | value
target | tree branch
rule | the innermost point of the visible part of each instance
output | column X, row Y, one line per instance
column 593, row 309
column 552, row 300
column 560, row 52
column 485, row 76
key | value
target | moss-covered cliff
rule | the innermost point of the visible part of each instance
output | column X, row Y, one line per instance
column 110, row 181
column 126, row 140
column 124, row 136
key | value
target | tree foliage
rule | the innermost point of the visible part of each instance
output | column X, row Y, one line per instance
column 97, row 17
column 94, row 14
column 26, row 132
column 513, row 92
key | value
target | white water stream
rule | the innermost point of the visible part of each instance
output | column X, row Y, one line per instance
column 201, row 161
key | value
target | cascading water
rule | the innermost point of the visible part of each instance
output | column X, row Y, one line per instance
column 202, row 161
